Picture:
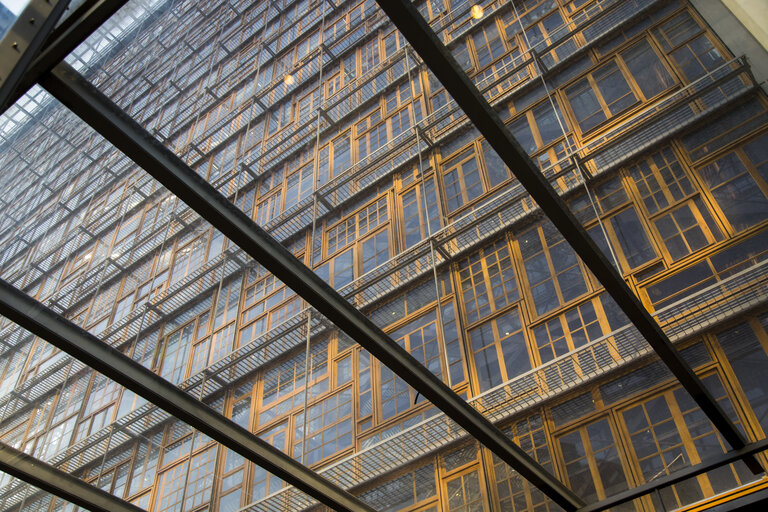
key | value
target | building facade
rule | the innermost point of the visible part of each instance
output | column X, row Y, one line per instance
column 318, row 120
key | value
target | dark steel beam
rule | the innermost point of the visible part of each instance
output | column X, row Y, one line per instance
column 72, row 17
column 23, row 41
column 678, row 476
column 59, row 483
column 63, row 40
column 80, row 344
column 104, row 116
column 487, row 121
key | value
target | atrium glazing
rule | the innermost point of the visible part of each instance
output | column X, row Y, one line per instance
column 321, row 123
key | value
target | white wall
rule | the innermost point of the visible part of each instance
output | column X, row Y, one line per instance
column 753, row 14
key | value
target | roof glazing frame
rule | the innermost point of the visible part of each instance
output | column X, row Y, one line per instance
column 734, row 441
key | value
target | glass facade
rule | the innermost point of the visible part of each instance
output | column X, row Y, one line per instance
column 318, row 121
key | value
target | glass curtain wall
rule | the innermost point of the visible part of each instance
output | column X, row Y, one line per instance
column 318, row 121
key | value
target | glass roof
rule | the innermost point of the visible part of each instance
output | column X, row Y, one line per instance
column 267, row 123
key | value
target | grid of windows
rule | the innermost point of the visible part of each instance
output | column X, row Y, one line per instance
column 103, row 243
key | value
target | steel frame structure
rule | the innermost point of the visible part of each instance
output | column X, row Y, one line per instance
column 124, row 133
column 63, row 485
column 407, row 258
column 79, row 343
column 23, row 42
column 487, row 121
column 75, row 92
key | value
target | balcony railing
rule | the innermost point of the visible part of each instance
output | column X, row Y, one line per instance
column 466, row 233
column 724, row 300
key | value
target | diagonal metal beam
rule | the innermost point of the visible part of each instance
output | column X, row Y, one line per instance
column 709, row 464
column 63, row 40
column 434, row 53
column 23, row 41
column 57, row 482
column 80, row 344
column 121, row 130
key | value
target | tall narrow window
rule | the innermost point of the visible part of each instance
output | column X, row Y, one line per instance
column 298, row 186
column 200, row 479
column 462, row 179
column 514, row 492
column 420, row 207
column 602, row 94
column 375, row 250
column 738, row 185
column 464, row 493
column 553, row 270
column 647, row 69
column 636, row 247
column 171, row 488
column 541, row 35
column 418, row 337
column 592, row 462
column 329, row 427
column 488, row 44
column 488, row 281
column 341, row 156
column 499, row 350
column 173, row 360
column 265, row 483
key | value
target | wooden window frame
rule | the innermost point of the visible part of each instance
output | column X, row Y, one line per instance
column 487, row 264
column 692, row 453
column 695, row 207
column 471, row 41
column 422, row 216
column 531, row 433
column 588, row 81
column 546, row 249
column 375, row 368
column 297, row 439
column 456, row 164
column 380, row 205
column 484, row 503
column 282, row 367
column 571, row 338
column 496, row 345
column 750, row 170
column 268, row 435
column 589, row 453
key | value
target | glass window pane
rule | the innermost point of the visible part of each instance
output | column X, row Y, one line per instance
column 614, row 87
column 736, row 191
column 632, row 238
column 647, row 70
